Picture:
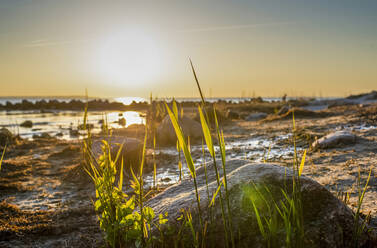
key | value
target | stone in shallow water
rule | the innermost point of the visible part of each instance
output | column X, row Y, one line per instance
column 256, row 116
column 335, row 139
column 166, row 134
column 328, row 221
column 131, row 150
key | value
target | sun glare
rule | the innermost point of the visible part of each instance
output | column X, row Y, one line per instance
column 129, row 57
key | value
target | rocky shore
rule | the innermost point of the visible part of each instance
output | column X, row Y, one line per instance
column 45, row 196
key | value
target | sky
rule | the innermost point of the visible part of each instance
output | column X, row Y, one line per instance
column 238, row 48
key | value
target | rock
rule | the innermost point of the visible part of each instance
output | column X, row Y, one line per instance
column 60, row 134
column 28, row 124
column 166, row 135
column 131, row 150
column 231, row 115
column 219, row 114
column 364, row 97
column 328, row 222
column 122, row 122
column 42, row 136
column 74, row 132
column 85, row 127
column 133, row 130
column 256, row 116
column 283, row 110
column 6, row 137
column 335, row 139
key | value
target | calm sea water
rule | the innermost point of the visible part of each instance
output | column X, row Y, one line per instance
column 63, row 124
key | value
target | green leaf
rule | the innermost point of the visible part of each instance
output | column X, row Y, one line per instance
column 182, row 142
column 175, row 109
column 206, row 133
column 2, row 156
column 215, row 194
column 302, row 163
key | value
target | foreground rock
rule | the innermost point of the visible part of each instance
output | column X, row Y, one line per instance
column 328, row 222
column 6, row 137
column 335, row 139
column 166, row 134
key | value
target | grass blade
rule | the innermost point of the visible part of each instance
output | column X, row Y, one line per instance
column 302, row 164
column 206, row 133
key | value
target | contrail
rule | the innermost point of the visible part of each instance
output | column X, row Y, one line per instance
column 43, row 43
column 232, row 27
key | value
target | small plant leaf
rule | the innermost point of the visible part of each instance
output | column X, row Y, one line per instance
column 302, row 164
column 206, row 133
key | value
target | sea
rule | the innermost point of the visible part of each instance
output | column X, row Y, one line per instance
column 64, row 124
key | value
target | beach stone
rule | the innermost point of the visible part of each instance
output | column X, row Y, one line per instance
column 335, row 139
column 166, row 134
column 220, row 115
column 43, row 135
column 256, row 116
column 6, row 137
column 28, row 124
column 131, row 150
column 231, row 115
column 283, row 110
column 328, row 221
column 122, row 121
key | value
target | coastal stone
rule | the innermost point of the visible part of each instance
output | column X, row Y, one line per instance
column 85, row 127
column 283, row 110
column 231, row 115
column 211, row 116
column 6, row 137
column 328, row 222
column 335, row 139
column 42, row 136
column 256, row 116
column 28, row 124
column 166, row 134
column 131, row 149
column 74, row 133
column 122, row 121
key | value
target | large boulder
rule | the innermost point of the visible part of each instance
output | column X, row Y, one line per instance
column 131, row 149
column 328, row 222
column 6, row 137
column 335, row 139
column 166, row 134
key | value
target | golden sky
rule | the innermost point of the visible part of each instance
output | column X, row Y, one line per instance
column 239, row 48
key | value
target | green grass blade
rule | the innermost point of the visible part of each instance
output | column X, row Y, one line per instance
column 2, row 156
column 197, row 82
column 175, row 109
column 215, row 194
column 120, row 184
column 143, row 155
column 302, row 163
column 206, row 133
column 182, row 142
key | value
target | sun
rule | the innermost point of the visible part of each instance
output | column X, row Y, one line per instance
column 129, row 57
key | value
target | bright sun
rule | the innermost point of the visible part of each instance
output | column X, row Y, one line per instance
column 129, row 57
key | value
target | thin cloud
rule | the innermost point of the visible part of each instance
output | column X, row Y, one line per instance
column 44, row 43
column 233, row 27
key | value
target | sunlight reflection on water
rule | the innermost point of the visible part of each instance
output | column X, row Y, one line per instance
column 62, row 123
